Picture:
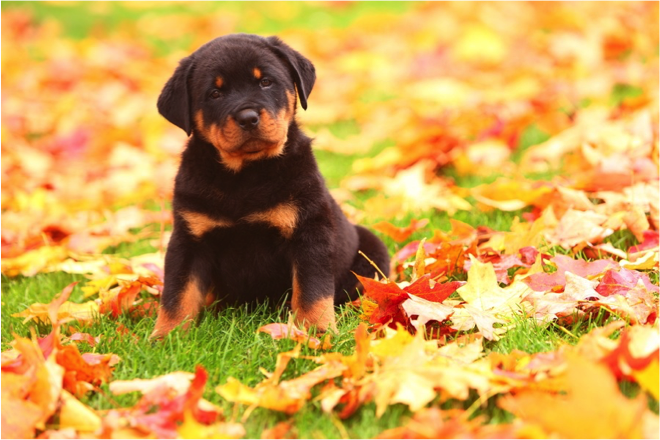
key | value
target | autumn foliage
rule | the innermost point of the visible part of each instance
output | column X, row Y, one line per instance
column 541, row 113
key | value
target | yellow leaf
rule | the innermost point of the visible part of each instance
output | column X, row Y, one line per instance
column 483, row 291
column 593, row 406
column 191, row 428
column 648, row 378
column 74, row 414
column 33, row 262
column 93, row 287
column 68, row 311
column 480, row 45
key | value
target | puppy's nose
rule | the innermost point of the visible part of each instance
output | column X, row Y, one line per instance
column 247, row 119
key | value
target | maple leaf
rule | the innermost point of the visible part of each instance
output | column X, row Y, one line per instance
column 289, row 331
column 171, row 407
column 85, row 312
column 425, row 311
column 125, row 297
column 413, row 371
column 389, row 296
column 411, row 191
column 282, row 430
column 34, row 261
column 191, row 428
column 178, row 382
column 433, row 423
column 622, row 281
column 84, row 371
column 637, row 349
column 287, row 396
column 449, row 259
column 487, row 302
column 501, row 263
column 650, row 240
column 85, row 337
column 591, row 395
column 65, row 310
column 526, row 234
column 397, row 233
column 509, row 195
column 576, row 227
column 78, row 373
column 77, row 416
column 581, row 268
column 34, row 385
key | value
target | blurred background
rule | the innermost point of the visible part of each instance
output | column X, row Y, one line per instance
column 414, row 102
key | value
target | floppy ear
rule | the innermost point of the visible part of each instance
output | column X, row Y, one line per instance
column 301, row 68
column 174, row 100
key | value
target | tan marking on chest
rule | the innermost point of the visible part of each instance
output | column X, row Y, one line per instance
column 199, row 224
column 283, row 216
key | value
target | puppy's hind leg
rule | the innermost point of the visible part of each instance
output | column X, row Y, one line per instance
column 375, row 249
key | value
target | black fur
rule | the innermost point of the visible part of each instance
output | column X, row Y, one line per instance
column 247, row 261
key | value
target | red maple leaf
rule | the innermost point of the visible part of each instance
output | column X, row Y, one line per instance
column 621, row 281
column 542, row 282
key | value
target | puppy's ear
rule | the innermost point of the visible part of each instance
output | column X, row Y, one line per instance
column 174, row 100
column 301, row 68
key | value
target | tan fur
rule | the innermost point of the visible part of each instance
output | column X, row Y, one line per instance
column 199, row 123
column 199, row 224
column 229, row 137
column 257, row 73
column 191, row 303
column 321, row 314
column 283, row 216
column 218, row 81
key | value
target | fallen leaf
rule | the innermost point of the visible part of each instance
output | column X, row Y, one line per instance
column 397, row 233
column 289, row 331
column 565, row 415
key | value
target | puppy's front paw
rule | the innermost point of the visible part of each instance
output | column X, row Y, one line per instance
column 320, row 314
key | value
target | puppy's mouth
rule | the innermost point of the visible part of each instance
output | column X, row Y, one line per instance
column 252, row 147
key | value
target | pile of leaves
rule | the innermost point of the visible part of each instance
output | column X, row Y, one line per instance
column 43, row 378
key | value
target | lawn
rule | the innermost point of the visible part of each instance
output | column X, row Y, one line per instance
column 506, row 153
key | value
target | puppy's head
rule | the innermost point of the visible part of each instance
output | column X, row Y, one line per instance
column 238, row 92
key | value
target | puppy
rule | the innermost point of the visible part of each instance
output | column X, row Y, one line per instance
column 253, row 219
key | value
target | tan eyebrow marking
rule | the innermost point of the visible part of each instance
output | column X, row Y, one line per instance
column 218, row 81
column 257, row 73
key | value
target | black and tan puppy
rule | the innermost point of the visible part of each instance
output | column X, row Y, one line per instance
column 252, row 216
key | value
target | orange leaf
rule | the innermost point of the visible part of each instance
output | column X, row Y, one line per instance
column 400, row 234
column 593, row 406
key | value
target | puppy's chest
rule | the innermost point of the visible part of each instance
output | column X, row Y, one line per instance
column 237, row 210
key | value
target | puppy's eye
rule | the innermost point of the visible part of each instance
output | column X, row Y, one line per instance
column 215, row 94
column 266, row 82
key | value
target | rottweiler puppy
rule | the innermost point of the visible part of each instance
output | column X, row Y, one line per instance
column 253, row 219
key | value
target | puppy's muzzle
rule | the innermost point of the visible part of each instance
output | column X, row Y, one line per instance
column 247, row 119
